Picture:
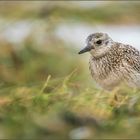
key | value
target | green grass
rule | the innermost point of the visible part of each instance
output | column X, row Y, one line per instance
column 48, row 93
column 43, row 95
column 32, row 112
column 113, row 13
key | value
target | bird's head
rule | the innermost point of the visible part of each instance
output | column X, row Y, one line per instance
column 97, row 44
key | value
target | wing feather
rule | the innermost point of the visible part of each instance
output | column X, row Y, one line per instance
column 132, row 57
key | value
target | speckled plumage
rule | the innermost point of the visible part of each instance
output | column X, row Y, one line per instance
column 112, row 63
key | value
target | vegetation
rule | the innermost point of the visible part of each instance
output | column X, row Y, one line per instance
column 48, row 93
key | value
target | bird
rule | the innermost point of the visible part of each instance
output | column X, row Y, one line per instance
column 112, row 63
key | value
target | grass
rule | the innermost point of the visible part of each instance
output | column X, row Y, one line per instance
column 48, row 93
column 41, row 100
column 125, row 13
column 43, row 113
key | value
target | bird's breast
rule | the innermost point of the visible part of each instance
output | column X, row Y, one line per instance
column 105, row 73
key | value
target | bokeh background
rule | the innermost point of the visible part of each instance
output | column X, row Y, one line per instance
column 46, row 90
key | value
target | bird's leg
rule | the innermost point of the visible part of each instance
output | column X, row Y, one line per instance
column 115, row 97
column 114, row 100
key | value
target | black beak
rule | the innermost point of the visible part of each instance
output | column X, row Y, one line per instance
column 86, row 49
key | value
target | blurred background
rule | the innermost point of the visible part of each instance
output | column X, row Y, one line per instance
column 46, row 90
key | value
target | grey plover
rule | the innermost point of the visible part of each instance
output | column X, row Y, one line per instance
column 112, row 63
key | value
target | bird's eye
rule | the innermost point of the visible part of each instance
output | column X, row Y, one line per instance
column 99, row 42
